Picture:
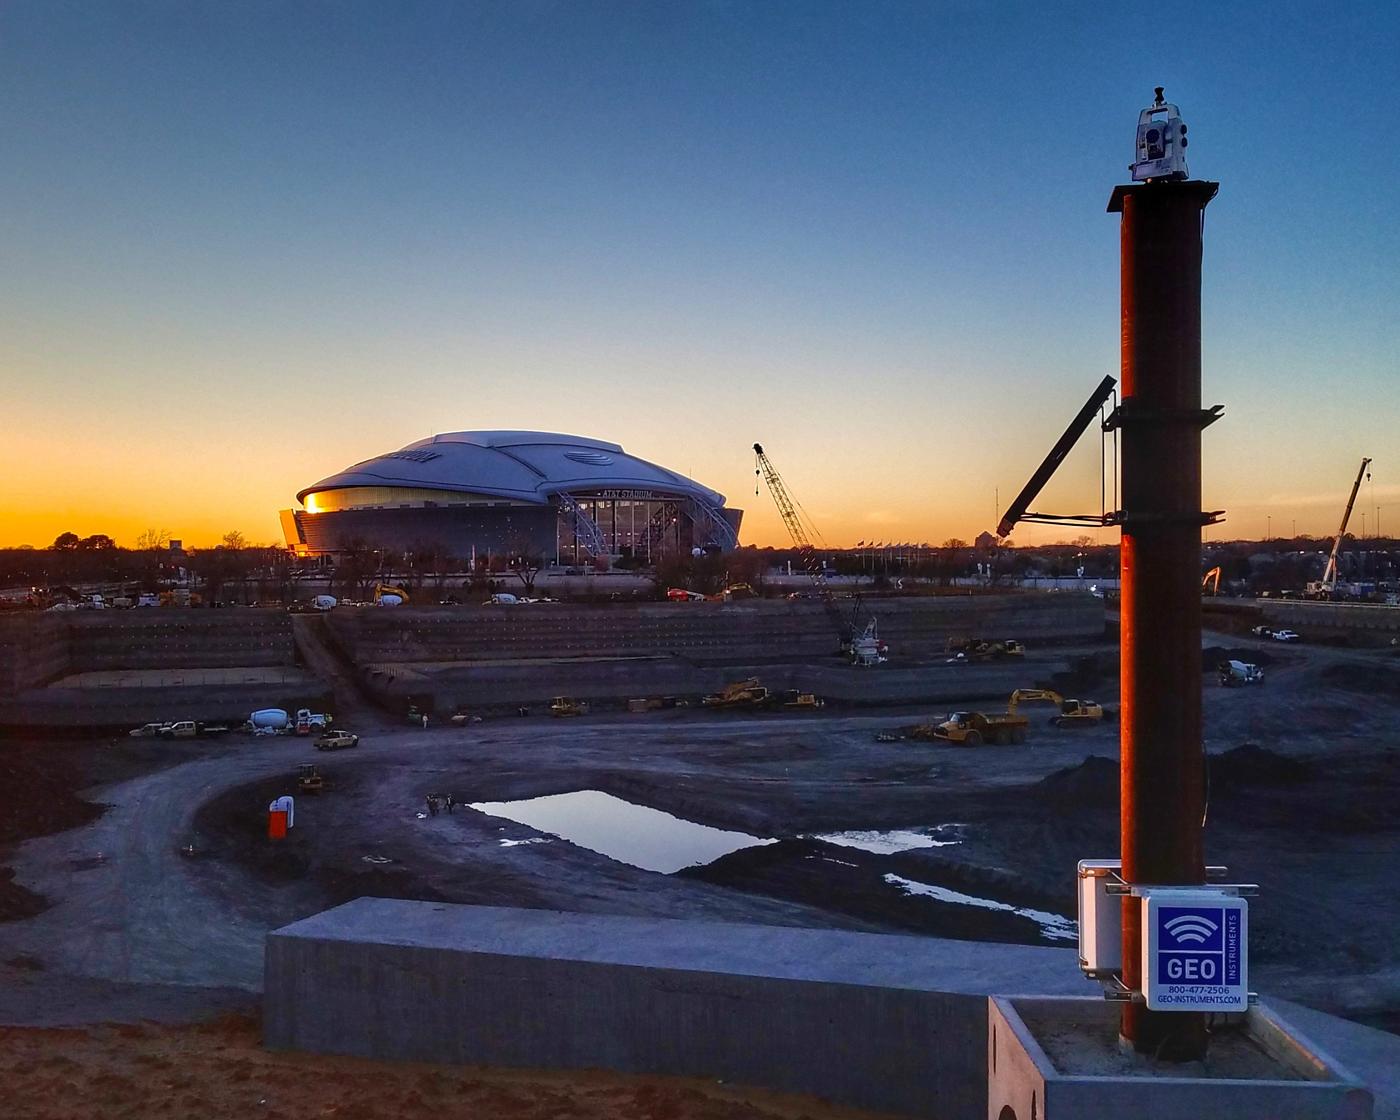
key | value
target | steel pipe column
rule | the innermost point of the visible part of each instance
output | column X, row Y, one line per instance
column 1162, row 767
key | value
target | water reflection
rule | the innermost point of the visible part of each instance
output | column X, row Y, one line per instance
column 632, row 834
column 1053, row 927
column 898, row 840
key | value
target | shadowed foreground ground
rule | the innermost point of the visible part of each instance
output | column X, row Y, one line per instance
column 218, row 1070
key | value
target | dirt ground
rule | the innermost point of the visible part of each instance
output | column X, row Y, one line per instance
column 146, row 865
column 219, row 1071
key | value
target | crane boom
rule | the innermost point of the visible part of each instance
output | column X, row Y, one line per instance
column 1329, row 576
column 787, row 510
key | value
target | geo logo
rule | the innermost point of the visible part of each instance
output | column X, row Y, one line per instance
column 1191, row 928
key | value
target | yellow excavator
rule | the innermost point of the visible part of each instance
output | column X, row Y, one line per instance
column 741, row 694
column 1210, row 582
column 388, row 595
column 1072, row 713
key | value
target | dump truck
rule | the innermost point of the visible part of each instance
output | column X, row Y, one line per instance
column 741, row 694
column 1072, row 713
column 974, row 728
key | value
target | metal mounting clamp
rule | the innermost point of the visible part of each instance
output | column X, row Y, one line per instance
column 1131, row 413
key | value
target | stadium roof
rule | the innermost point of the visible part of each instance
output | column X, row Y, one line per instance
column 522, row 466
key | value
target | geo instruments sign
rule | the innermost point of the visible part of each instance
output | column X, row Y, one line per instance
column 1195, row 952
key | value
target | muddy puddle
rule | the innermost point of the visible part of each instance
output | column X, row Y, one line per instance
column 631, row 834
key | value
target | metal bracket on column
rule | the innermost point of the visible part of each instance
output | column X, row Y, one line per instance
column 1130, row 521
column 1116, row 991
column 1130, row 413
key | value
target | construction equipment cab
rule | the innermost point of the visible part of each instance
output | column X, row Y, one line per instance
column 568, row 706
column 1072, row 713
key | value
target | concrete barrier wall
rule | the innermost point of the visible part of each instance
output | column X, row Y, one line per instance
column 38, row 647
column 33, row 651
column 733, row 631
column 884, row 1022
column 179, row 638
column 1363, row 618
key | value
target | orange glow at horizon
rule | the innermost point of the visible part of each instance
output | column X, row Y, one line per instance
column 199, row 486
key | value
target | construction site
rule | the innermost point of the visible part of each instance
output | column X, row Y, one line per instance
column 795, row 843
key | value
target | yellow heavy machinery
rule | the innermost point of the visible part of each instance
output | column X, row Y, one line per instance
column 741, row 694
column 804, row 701
column 568, row 706
column 1072, row 713
column 310, row 779
column 972, row 729
column 1210, row 582
column 389, row 595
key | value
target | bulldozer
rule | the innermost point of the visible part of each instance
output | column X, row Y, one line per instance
column 568, row 706
column 310, row 779
column 1072, row 713
column 741, row 694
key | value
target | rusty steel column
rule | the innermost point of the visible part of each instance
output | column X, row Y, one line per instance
column 1162, row 768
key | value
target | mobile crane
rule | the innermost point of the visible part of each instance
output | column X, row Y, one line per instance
column 1326, row 587
column 861, row 644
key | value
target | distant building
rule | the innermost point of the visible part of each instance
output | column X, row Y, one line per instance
column 562, row 497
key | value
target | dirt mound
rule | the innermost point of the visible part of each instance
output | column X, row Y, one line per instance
column 1212, row 656
column 1373, row 680
column 1253, row 765
column 1093, row 782
column 1085, row 674
column 36, row 795
column 16, row 903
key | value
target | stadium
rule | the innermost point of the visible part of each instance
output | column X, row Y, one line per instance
column 562, row 498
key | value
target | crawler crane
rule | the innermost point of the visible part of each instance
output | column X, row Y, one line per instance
column 861, row 644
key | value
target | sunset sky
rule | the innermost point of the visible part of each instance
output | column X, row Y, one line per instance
column 248, row 244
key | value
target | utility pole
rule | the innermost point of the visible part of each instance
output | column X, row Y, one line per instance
column 1162, row 770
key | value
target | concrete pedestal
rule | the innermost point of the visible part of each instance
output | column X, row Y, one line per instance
column 1060, row 1059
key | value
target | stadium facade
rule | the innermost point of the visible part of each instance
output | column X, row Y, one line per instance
column 564, row 498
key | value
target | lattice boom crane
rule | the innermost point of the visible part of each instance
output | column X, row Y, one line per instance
column 865, row 649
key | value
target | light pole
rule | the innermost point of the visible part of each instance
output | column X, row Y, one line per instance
column 1268, row 527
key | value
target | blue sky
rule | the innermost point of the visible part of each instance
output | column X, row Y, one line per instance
column 871, row 236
